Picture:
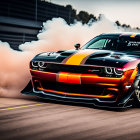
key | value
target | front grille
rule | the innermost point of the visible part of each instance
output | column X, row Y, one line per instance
column 71, row 88
column 71, row 68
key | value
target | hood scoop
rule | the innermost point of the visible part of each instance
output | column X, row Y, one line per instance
column 66, row 54
column 60, row 51
column 117, row 55
column 99, row 55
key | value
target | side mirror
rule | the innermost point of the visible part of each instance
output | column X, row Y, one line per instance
column 77, row 46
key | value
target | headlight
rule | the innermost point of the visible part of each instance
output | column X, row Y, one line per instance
column 34, row 64
column 40, row 64
column 118, row 71
column 113, row 71
column 109, row 70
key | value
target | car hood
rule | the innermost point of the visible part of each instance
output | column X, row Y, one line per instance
column 93, row 57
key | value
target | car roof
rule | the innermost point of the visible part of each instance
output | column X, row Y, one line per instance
column 131, row 35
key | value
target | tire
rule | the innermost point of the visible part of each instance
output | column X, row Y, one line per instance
column 137, row 91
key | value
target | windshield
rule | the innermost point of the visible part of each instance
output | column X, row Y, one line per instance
column 123, row 44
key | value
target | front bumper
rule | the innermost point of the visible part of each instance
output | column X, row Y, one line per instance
column 110, row 92
column 121, row 103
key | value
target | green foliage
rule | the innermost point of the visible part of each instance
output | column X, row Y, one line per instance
column 85, row 17
column 82, row 16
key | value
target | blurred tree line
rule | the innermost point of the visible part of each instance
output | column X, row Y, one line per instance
column 85, row 17
column 125, row 25
column 82, row 16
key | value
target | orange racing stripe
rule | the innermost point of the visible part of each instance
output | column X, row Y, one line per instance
column 66, row 77
column 133, row 35
column 62, row 77
column 78, row 57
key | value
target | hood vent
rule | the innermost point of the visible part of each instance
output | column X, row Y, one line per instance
column 66, row 54
column 99, row 55
column 116, row 56
column 60, row 51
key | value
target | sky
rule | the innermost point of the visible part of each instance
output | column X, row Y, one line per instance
column 126, row 11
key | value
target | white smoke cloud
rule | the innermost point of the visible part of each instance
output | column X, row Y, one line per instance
column 55, row 35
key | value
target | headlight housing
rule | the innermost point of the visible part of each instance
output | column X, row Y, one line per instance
column 118, row 71
column 111, row 72
column 42, row 64
column 38, row 64
column 34, row 64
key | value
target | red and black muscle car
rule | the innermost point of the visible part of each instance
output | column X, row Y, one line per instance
column 104, row 72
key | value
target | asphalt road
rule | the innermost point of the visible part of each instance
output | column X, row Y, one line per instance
column 42, row 120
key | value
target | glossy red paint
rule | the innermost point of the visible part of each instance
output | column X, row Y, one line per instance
column 48, row 76
column 66, row 77
column 62, row 77
column 95, row 79
column 75, row 78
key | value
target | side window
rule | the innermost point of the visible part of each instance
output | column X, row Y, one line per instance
column 109, row 44
column 98, row 44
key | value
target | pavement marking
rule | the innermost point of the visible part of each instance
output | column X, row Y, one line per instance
column 22, row 106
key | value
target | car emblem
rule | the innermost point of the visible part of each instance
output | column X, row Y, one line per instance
column 93, row 70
